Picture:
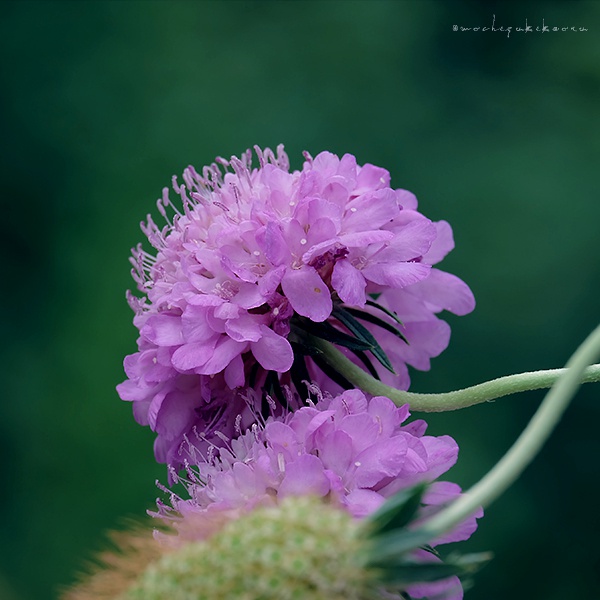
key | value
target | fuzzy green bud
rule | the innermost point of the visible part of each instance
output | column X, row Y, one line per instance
column 302, row 548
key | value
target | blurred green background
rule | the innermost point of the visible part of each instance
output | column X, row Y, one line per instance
column 102, row 102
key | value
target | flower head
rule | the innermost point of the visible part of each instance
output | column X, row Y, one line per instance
column 352, row 451
column 253, row 260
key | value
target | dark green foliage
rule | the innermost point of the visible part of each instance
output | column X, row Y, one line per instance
column 392, row 544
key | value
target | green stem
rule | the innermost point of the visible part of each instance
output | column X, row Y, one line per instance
column 527, row 445
column 483, row 392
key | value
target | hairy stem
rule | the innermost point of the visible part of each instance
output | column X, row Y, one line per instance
column 483, row 392
column 527, row 445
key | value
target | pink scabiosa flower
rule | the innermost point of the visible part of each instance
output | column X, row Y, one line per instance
column 351, row 451
column 253, row 263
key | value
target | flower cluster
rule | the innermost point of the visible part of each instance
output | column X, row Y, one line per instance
column 351, row 451
column 255, row 274
column 256, row 257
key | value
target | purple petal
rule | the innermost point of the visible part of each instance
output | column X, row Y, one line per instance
column 270, row 282
column 303, row 477
column 371, row 210
column 406, row 199
column 245, row 328
column 443, row 243
column 130, row 391
column 190, row 356
column 282, row 437
column 246, row 481
column 371, row 177
column 363, row 430
column 273, row 244
column 234, row 372
column 233, row 268
column 381, row 460
column 407, row 305
column 397, row 275
column 387, row 414
column 443, row 492
column 426, row 339
column 326, row 163
column 319, row 208
column 349, row 283
column 444, row 589
column 227, row 311
column 273, row 351
column 163, row 330
column 224, row 352
column 336, row 452
column 175, row 414
column 319, row 249
column 349, row 402
column 411, row 241
column 444, row 291
column 364, row 238
column 361, row 503
column 249, row 296
column 195, row 325
column 307, row 293
column 319, row 425
column 442, row 453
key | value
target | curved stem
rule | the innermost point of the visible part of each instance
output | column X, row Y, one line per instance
column 483, row 392
column 527, row 445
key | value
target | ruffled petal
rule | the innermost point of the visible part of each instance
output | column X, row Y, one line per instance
column 191, row 356
column 304, row 476
column 397, row 275
column 307, row 293
column 273, row 351
column 349, row 283
column 444, row 291
column 163, row 330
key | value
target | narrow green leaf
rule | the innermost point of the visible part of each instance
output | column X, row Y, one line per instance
column 397, row 511
column 387, row 311
column 332, row 373
column 431, row 550
column 400, row 568
column 300, row 341
column 299, row 373
column 253, row 373
column 330, row 333
column 470, row 562
column 389, row 546
column 407, row 573
column 367, row 316
column 365, row 361
column 362, row 333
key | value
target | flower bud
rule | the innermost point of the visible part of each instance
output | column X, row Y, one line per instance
column 301, row 548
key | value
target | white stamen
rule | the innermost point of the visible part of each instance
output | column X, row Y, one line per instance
column 281, row 462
